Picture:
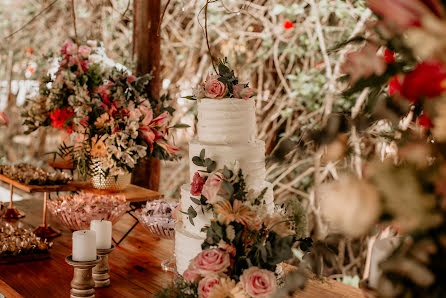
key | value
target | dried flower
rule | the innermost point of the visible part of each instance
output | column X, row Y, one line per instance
column 350, row 205
column 237, row 212
column 227, row 288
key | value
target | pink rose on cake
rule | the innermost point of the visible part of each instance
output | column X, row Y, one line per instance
column 84, row 51
column 258, row 282
column 197, row 184
column 210, row 261
column 206, row 285
column 212, row 187
column 213, row 88
column 243, row 91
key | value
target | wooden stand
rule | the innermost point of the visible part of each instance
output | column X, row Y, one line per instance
column 44, row 230
column 82, row 285
column 100, row 271
column 11, row 212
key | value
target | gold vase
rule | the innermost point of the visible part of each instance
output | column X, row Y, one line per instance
column 114, row 183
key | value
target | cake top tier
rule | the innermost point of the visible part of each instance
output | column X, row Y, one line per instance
column 226, row 121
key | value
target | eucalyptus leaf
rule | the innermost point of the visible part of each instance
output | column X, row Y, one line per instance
column 202, row 153
column 195, row 200
column 210, row 168
column 227, row 187
column 197, row 161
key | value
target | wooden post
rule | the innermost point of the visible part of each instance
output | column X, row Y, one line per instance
column 146, row 50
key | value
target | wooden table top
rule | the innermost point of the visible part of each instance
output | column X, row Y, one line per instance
column 132, row 193
column 135, row 266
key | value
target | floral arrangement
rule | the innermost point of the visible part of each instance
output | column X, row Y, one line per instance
column 401, row 68
column 106, row 108
column 224, row 84
column 245, row 242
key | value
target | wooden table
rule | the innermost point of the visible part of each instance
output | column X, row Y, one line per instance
column 135, row 267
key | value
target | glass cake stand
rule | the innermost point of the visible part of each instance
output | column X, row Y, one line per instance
column 157, row 218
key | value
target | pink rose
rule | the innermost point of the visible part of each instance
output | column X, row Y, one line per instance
column 207, row 284
column 191, row 276
column 213, row 88
column 210, row 261
column 69, row 48
column 258, row 282
column 84, row 51
column 212, row 187
column 4, row 119
column 197, row 184
column 241, row 91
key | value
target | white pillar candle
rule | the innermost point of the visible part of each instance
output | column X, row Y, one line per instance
column 103, row 229
column 84, row 246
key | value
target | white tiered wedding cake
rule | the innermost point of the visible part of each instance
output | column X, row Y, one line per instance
column 227, row 131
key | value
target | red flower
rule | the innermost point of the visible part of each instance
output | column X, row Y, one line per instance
column 395, row 86
column 425, row 121
column 428, row 80
column 60, row 116
column 288, row 25
column 389, row 56
column 197, row 184
column 29, row 50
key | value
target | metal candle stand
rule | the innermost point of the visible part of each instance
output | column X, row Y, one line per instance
column 82, row 285
column 44, row 230
column 100, row 271
column 11, row 212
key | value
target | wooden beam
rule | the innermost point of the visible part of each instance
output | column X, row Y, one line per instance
column 147, row 53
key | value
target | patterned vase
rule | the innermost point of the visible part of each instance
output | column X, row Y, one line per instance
column 113, row 183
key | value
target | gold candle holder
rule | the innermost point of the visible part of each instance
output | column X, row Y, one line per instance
column 100, row 271
column 82, row 285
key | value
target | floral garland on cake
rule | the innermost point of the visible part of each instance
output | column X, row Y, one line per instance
column 106, row 108
column 244, row 243
column 224, row 84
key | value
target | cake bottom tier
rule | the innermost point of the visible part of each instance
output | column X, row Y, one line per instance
column 187, row 246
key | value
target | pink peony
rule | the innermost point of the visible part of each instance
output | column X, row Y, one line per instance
column 210, row 261
column 197, row 184
column 258, row 282
column 207, row 284
column 241, row 91
column 213, row 88
column 3, row 119
column 191, row 276
column 84, row 51
column 212, row 187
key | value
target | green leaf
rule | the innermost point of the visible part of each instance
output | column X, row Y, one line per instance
column 227, row 172
column 207, row 162
column 227, row 187
column 211, row 167
column 190, row 97
column 195, row 200
column 192, row 214
column 217, row 229
column 197, row 161
column 202, row 153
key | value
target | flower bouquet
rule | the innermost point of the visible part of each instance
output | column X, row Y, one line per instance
column 108, row 111
column 245, row 242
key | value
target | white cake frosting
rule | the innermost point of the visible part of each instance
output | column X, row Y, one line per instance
column 226, row 121
column 251, row 157
column 187, row 246
column 226, row 130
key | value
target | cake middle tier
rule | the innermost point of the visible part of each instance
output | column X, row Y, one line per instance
column 250, row 156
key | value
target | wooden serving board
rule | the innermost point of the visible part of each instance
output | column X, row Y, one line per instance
column 71, row 186
column 24, row 258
